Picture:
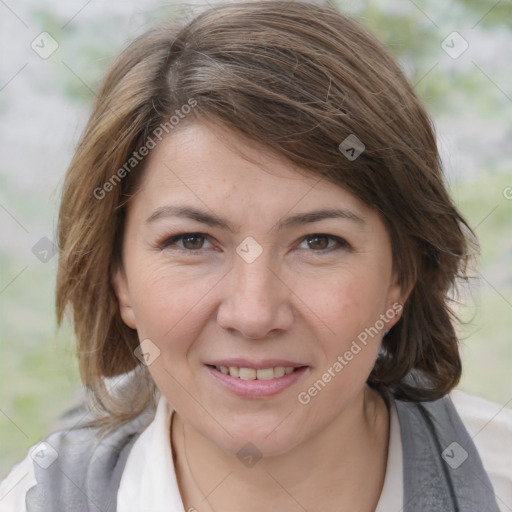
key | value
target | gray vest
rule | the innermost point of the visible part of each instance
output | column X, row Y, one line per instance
column 442, row 469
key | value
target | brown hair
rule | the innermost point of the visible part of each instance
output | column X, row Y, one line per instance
column 299, row 79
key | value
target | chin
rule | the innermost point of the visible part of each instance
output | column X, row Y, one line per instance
column 258, row 442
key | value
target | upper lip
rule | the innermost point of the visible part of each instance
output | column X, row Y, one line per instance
column 241, row 362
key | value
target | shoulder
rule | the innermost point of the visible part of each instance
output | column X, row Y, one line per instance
column 490, row 426
column 82, row 456
column 482, row 417
column 488, row 423
column 16, row 485
column 42, row 458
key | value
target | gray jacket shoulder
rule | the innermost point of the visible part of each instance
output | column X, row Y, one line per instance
column 79, row 469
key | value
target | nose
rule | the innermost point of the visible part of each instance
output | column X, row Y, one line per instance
column 256, row 302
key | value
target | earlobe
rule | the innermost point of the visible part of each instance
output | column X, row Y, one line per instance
column 392, row 315
column 397, row 298
column 120, row 285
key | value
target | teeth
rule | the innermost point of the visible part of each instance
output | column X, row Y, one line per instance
column 265, row 373
column 253, row 373
column 279, row 371
column 247, row 373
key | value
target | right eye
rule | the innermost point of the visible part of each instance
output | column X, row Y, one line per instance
column 191, row 242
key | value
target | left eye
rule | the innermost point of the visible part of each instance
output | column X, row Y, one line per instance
column 320, row 242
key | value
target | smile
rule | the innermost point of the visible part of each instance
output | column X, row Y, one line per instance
column 248, row 382
column 253, row 373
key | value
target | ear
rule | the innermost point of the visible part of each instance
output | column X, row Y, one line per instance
column 120, row 285
column 397, row 297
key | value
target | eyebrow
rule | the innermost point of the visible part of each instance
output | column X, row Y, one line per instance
column 204, row 217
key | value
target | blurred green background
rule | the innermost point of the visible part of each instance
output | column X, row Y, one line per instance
column 44, row 105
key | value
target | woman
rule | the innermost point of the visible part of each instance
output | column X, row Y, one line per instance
column 257, row 247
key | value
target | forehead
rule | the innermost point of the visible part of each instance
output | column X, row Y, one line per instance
column 212, row 166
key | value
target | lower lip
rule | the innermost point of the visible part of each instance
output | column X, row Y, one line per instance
column 257, row 388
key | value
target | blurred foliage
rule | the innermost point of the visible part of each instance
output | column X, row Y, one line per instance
column 88, row 57
column 411, row 34
column 486, row 344
column 491, row 12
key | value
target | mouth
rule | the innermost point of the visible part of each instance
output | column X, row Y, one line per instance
column 250, row 382
column 249, row 373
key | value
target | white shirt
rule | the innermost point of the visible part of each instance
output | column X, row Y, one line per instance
column 149, row 480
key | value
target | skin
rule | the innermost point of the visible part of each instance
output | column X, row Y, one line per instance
column 303, row 299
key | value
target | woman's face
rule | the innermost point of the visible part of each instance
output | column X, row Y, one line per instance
column 275, row 271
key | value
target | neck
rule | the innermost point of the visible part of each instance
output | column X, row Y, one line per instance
column 341, row 465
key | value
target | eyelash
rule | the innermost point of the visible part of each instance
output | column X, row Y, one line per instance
column 341, row 243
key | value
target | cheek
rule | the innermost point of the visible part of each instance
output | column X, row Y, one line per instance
column 348, row 301
column 348, row 308
column 169, row 304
